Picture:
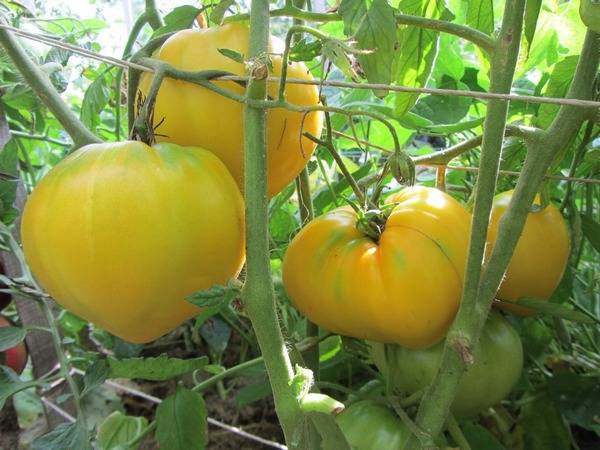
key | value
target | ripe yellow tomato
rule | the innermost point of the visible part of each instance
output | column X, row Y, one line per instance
column 403, row 289
column 540, row 257
column 193, row 115
column 121, row 233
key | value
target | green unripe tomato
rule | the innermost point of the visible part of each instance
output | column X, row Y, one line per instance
column 497, row 367
column 369, row 425
column 589, row 10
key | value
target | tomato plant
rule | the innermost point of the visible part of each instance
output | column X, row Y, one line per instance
column 350, row 284
column 350, row 270
column 498, row 360
column 139, row 240
column 182, row 116
column 369, row 425
column 540, row 258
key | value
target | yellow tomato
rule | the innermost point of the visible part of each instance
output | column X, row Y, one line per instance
column 540, row 257
column 121, row 233
column 193, row 115
column 403, row 289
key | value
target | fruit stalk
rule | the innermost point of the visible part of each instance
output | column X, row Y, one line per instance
column 258, row 293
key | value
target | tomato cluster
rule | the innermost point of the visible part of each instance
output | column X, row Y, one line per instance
column 108, row 225
column 402, row 290
column 121, row 233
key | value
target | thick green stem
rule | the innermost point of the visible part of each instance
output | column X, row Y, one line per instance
column 41, row 85
column 464, row 333
column 259, row 296
column 152, row 15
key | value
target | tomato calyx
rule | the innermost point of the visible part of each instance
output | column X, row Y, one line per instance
column 372, row 222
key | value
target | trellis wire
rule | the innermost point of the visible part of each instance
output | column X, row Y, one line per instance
column 156, row 400
column 332, row 83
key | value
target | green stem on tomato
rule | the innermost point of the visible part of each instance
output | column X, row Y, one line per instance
column 258, row 293
column 360, row 196
column 143, row 124
column 41, row 85
column 137, row 27
column 464, row 332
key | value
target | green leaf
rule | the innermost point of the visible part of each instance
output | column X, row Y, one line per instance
column 442, row 109
column 155, row 369
column 181, row 421
column 542, row 425
column 457, row 127
column 95, row 375
column 218, row 12
column 180, row 18
column 479, row 437
column 480, row 15
column 118, row 429
column 11, row 336
column 252, row 393
column 532, row 12
column 553, row 309
column 94, row 100
column 591, row 230
column 216, row 333
column 371, row 23
column 305, row 51
column 578, row 398
column 64, row 436
column 10, row 384
column 8, row 185
column 232, row 54
column 559, row 83
column 216, row 295
column 416, row 51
